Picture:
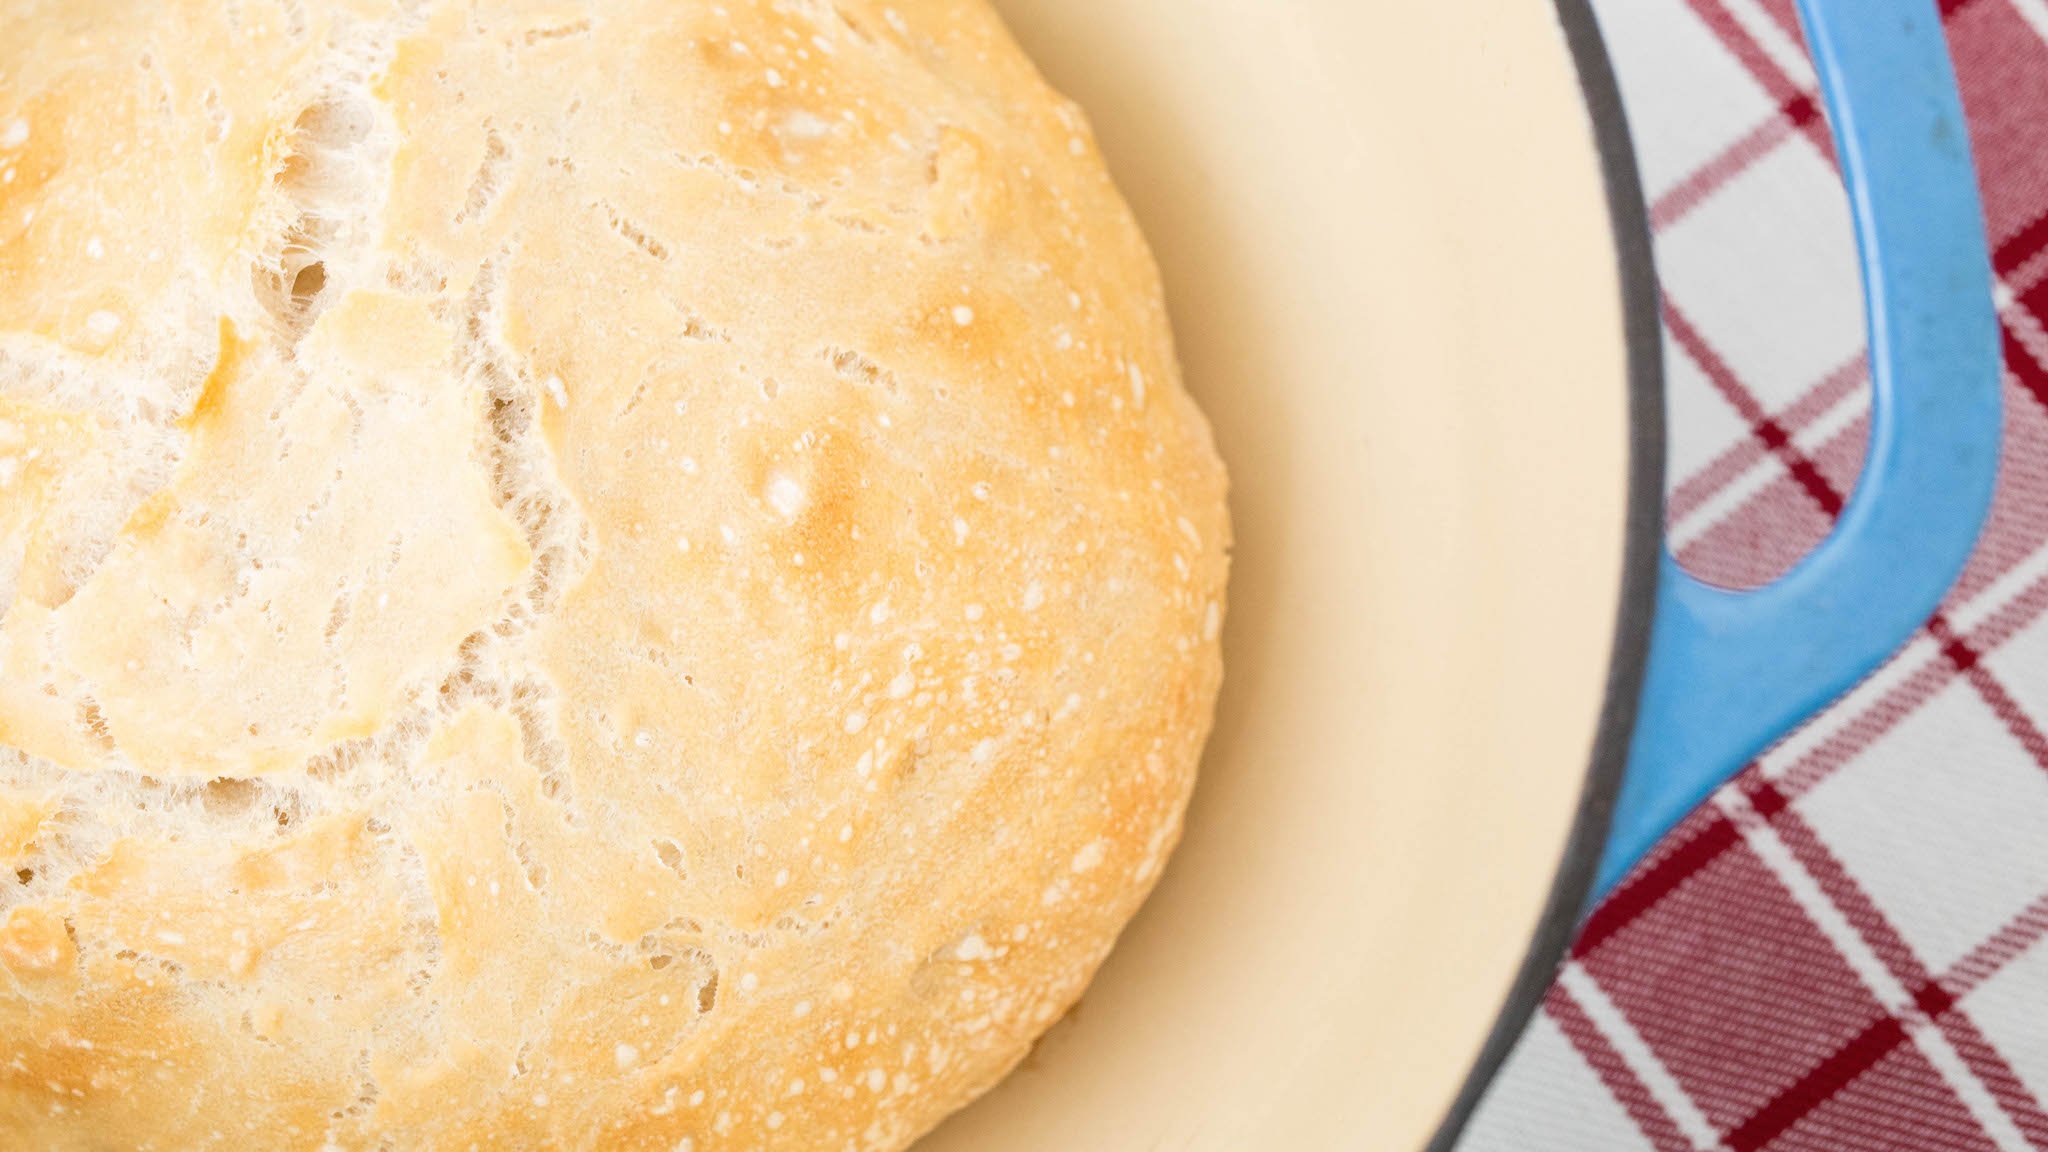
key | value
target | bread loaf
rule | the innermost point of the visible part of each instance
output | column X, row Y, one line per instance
column 573, row 575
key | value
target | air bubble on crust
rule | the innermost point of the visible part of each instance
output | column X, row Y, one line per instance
column 671, row 856
column 330, row 190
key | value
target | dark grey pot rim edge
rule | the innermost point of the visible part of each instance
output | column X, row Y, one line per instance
column 1641, row 306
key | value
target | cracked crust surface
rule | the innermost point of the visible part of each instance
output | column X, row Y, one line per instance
column 572, row 575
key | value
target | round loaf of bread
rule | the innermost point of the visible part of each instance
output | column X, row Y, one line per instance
column 573, row 575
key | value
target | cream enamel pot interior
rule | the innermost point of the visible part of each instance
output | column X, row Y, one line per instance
column 1395, row 285
column 1406, row 252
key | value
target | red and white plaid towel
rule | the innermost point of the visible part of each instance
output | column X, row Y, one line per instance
column 1843, row 950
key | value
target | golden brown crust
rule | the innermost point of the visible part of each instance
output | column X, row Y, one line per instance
column 575, row 575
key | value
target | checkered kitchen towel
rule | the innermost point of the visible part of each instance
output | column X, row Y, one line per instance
column 1843, row 950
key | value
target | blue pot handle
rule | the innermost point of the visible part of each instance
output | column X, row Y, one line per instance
column 1730, row 673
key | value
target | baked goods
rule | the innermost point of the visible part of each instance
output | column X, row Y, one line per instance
column 626, row 575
